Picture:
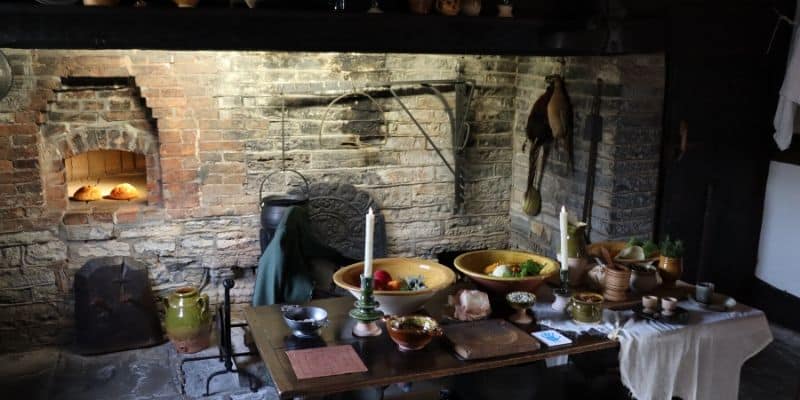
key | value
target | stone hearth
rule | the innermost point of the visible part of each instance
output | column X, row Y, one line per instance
column 209, row 127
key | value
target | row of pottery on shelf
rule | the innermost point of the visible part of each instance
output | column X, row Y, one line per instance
column 110, row 3
column 470, row 8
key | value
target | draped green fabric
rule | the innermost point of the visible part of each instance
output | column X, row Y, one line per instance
column 285, row 272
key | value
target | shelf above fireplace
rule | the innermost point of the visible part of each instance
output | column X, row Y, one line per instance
column 71, row 27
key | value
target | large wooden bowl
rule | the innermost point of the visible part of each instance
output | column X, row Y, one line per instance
column 473, row 263
column 398, row 302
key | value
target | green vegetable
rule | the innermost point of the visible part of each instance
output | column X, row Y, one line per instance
column 413, row 283
column 530, row 268
column 672, row 249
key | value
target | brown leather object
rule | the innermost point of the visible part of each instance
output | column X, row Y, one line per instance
column 87, row 193
column 123, row 191
column 489, row 338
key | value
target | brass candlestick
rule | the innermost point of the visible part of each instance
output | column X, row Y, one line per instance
column 366, row 312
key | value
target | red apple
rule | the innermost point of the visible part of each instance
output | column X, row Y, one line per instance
column 380, row 279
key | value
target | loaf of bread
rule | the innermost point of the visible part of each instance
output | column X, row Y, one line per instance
column 123, row 191
column 87, row 193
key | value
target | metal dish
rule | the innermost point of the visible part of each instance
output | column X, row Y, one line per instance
column 6, row 78
column 304, row 321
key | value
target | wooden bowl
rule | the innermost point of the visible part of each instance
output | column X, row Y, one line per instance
column 398, row 302
column 473, row 263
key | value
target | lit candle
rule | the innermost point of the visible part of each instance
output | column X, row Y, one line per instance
column 368, row 243
column 563, row 225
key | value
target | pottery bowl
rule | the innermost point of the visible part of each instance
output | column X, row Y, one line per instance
column 304, row 321
column 398, row 302
column 412, row 332
column 521, row 300
column 473, row 263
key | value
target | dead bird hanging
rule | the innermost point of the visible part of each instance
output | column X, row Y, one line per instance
column 559, row 116
column 540, row 136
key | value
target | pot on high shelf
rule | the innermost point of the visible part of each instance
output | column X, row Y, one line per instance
column 188, row 320
column 670, row 270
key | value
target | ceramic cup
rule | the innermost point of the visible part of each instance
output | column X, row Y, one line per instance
column 649, row 303
column 668, row 305
column 704, row 291
column 586, row 307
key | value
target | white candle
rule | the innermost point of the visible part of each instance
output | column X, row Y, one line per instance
column 563, row 225
column 368, row 243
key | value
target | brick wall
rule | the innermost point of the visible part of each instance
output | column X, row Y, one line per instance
column 214, row 120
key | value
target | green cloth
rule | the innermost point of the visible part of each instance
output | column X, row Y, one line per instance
column 285, row 269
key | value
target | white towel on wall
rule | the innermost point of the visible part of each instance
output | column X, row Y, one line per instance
column 790, row 92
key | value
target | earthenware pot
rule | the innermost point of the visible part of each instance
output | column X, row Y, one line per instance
column 100, row 2
column 504, row 10
column 576, row 240
column 617, row 281
column 670, row 269
column 586, row 307
column 188, row 320
column 421, row 7
column 448, row 7
column 412, row 332
column 643, row 280
column 186, row 3
column 471, row 8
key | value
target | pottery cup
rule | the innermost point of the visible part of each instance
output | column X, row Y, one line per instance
column 649, row 303
column 704, row 291
column 586, row 307
column 668, row 305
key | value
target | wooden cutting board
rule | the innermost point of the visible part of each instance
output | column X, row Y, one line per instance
column 489, row 338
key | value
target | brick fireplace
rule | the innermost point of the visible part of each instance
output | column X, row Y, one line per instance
column 206, row 127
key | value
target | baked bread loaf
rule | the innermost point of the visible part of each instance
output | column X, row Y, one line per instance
column 123, row 191
column 87, row 193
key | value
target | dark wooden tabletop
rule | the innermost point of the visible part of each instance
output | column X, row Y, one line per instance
column 386, row 365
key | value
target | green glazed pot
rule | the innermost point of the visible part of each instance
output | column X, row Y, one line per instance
column 187, row 320
column 586, row 307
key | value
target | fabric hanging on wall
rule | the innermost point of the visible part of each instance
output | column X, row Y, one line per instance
column 790, row 91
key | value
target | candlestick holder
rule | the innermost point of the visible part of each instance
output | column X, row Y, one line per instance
column 564, row 275
column 366, row 312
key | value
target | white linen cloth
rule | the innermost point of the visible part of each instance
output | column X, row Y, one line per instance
column 699, row 361
column 790, row 91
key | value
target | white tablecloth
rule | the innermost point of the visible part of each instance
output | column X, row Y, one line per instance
column 699, row 361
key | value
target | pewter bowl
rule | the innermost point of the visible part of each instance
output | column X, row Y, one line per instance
column 304, row 321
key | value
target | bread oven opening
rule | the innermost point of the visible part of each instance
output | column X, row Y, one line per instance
column 106, row 178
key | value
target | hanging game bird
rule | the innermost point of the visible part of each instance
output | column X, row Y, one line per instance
column 559, row 116
column 540, row 135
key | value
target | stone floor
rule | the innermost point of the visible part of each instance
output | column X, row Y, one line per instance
column 156, row 374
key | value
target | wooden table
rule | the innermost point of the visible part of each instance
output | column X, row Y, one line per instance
column 386, row 365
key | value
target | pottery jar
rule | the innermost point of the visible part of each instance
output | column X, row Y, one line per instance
column 471, row 8
column 188, row 320
column 586, row 307
column 421, row 7
column 617, row 282
column 670, row 269
column 448, row 7
column 505, row 10
column 186, row 3
column 643, row 281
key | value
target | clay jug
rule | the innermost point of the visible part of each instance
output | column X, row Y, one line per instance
column 576, row 240
column 188, row 320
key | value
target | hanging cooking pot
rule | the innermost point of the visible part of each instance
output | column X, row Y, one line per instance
column 274, row 206
column 6, row 78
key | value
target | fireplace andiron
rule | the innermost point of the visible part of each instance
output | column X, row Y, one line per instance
column 366, row 312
